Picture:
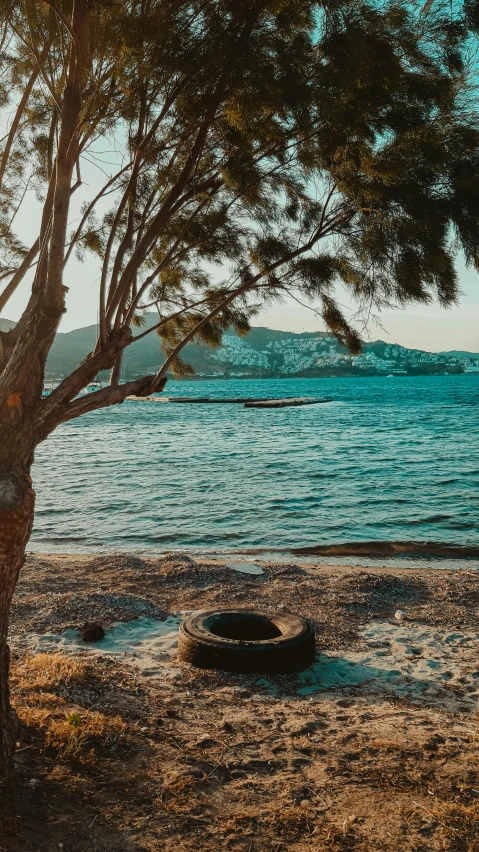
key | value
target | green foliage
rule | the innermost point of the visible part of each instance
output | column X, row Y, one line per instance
column 267, row 148
column 74, row 719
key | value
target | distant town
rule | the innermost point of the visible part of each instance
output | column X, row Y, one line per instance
column 264, row 353
column 296, row 356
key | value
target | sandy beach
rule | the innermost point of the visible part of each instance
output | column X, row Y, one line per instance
column 123, row 748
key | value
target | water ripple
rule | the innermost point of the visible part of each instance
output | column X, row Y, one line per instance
column 388, row 459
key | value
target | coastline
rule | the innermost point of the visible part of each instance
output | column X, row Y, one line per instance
column 386, row 556
column 307, row 557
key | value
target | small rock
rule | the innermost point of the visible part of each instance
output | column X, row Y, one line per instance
column 238, row 773
column 194, row 773
column 92, row 632
column 205, row 742
column 399, row 615
column 228, row 727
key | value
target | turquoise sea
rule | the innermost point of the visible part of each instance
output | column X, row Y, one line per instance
column 388, row 459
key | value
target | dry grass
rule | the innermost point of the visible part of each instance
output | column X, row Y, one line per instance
column 49, row 671
column 175, row 796
column 389, row 746
column 456, row 825
column 86, row 732
column 67, row 730
column 290, row 822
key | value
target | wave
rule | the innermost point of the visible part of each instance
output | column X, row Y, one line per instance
column 380, row 549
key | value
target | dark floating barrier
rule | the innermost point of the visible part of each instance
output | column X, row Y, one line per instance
column 284, row 403
column 392, row 548
column 251, row 402
column 209, row 399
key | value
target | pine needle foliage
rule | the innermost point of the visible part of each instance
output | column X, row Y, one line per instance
column 257, row 149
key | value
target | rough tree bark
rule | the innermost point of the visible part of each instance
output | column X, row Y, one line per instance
column 17, row 501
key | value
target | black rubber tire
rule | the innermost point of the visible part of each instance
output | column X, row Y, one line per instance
column 291, row 651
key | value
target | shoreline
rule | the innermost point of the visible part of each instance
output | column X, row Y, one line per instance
column 394, row 561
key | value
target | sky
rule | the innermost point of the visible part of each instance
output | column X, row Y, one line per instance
column 417, row 327
column 428, row 327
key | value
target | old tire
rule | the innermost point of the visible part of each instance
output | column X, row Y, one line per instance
column 239, row 640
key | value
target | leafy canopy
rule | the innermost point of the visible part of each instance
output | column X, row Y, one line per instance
column 255, row 149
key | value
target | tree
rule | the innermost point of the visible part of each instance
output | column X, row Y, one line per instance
column 260, row 148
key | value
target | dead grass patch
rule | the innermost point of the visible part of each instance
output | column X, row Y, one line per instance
column 48, row 671
column 291, row 822
column 455, row 825
column 387, row 746
column 91, row 731
column 175, row 796
column 329, row 837
column 71, row 733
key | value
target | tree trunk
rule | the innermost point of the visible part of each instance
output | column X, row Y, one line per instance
column 17, row 500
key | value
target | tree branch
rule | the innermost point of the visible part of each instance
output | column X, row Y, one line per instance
column 66, row 24
column 19, row 274
column 16, row 121
column 243, row 288
column 101, row 399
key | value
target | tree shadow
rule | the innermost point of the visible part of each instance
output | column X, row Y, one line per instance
column 49, row 813
column 361, row 679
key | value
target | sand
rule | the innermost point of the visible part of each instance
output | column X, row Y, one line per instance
column 414, row 661
column 374, row 747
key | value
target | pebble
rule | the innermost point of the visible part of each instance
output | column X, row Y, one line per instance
column 205, row 742
column 399, row 615
column 194, row 773
column 92, row 632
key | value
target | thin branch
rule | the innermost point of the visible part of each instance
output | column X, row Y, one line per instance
column 66, row 24
column 39, row 58
column 15, row 123
column 102, row 399
column 89, row 210
column 165, row 320
column 166, row 260
column 19, row 274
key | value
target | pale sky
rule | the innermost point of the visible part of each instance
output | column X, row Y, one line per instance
column 427, row 327
column 418, row 327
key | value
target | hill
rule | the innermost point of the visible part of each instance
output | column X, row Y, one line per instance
column 263, row 353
